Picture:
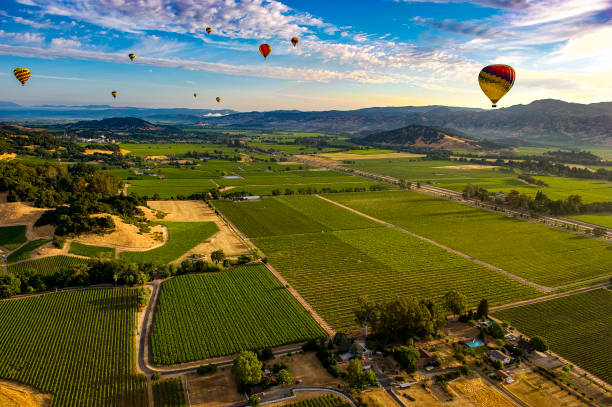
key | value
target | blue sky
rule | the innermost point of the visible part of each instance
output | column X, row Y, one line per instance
column 351, row 54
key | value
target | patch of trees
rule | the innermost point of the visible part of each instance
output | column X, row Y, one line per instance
column 574, row 157
column 549, row 167
column 531, row 180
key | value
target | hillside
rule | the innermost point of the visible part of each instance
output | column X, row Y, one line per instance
column 121, row 124
column 421, row 136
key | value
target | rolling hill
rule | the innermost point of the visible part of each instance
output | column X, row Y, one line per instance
column 421, row 136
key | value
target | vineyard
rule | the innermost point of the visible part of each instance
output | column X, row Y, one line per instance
column 169, row 393
column 12, row 237
column 577, row 327
column 536, row 252
column 25, row 251
column 183, row 236
column 77, row 345
column 206, row 315
column 46, row 265
column 323, row 401
column 91, row 251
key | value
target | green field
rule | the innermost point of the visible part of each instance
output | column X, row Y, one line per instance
column 206, row 315
column 46, row 265
column 604, row 220
column 143, row 150
column 76, row 345
column 12, row 237
column 539, row 253
column 314, row 188
column 370, row 151
column 183, row 236
column 292, row 148
column 169, row 393
column 323, row 401
column 91, row 251
column 25, row 251
column 327, row 255
column 577, row 327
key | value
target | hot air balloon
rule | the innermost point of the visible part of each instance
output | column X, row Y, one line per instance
column 22, row 75
column 265, row 50
column 195, row 95
column 218, row 99
column 295, row 41
column 114, row 93
column 208, row 30
column 132, row 56
column 495, row 81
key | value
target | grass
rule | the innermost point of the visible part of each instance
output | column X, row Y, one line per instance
column 169, row 188
column 169, row 393
column 217, row 314
column 12, row 237
column 577, row 327
column 267, row 190
column 91, row 251
column 143, row 150
column 604, row 220
column 536, row 252
column 182, row 237
column 323, row 401
column 25, row 251
column 76, row 345
column 46, row 265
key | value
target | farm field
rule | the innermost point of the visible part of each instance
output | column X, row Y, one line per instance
column 169, row 188
column 12, row 237
column 25, row 251
column 91, row 251
column 291, row 148
column 46, row 265
column 577, row 327
column 604, row 220
column 183, row 236
column 305, row 189
column 144, row 150
column 536, row 252
column 289, row 177
column 77, row 345
column 169, row 393
column 323, row 401
column 247, row 304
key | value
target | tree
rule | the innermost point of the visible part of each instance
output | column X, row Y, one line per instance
column 247, row 368
column 267, row 354
column 498, row 364
column 217, row 256
column 538, row 343
column 483, row 309
column 343, row 342
column 254, row 400
column 455, row 302
column 356, row 350
column 407, row 357
column 496, row 330
column 354, row 374
column 365, row 313
column 284, row 377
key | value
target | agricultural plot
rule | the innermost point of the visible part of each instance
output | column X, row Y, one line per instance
column 576, row 326
column 290, row 177
column 183, row 236
column 323, row 401
column 604, row 220
column 206, row 315
column 306, row 189
column 144, row 150
column 91, row 251
column 169, row 393
column 76, row 345
column 169, row 188
column 536, row 252
column 25, row 251
column 46, row 265
column 12, row 237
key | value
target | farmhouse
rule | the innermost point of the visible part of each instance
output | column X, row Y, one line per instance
column 506, row 378
column 496, row 355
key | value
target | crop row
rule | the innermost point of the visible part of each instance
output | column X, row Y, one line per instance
column 46, row 265
column 207, row 315
column 12, row 237
column 78, row 346
column 169, row 393
column 25, row 251
column 91, row 251
column 324, row 401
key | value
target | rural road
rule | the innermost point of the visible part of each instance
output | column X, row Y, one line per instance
column 549, row 297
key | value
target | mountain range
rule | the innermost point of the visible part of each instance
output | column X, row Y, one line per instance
column 421, row 136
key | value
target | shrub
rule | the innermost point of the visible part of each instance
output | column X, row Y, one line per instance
column 156, row 376
column 207, row 369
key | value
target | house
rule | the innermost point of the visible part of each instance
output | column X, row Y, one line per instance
column 496, row 355
column 506, row 378
column 425, row 359
column 250, row 198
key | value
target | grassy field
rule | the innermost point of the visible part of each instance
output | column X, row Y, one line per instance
column 536, row 252
column 217, row 314
column 577, row 327
column 169, row 188
column 332, row 256
column 46, row 265
column 596, row 219
column 91, row 251
column 291, row 148
column 143, row 150
column 169, row 393
column 25, row 251
column 314, row 188
column 183, row 236
column 323, row 401
column 77, row 345
column 12, row 237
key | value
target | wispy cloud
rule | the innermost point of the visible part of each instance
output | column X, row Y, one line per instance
column 22, row 37
column 501, row 4
column 458, row 27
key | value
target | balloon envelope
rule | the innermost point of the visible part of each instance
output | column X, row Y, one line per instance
column 22, row 75
column 495, row 81
column 114, row 93
column 208, row 30
column 295, row 41
column 195, row 95
column 218, row 99
column 132, row 56
column 265, row 50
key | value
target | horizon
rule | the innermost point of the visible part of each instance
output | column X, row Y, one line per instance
column 350, row 56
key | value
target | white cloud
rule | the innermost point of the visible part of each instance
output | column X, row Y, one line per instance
column 22, row 37
column 64, row 43
column 597, row 43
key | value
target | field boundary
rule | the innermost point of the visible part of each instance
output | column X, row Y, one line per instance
column 448, row 249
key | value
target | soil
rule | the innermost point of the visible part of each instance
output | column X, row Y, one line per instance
column 481, row 393
column 19, row 213
column 16, row 395
column 425, row 398
column 467, row 167
column 214, row 390
column 306, row 367
column 91, row 151
column 378, row 397
column 535, row 390
column 7, row 156
column 285, row 162
column 126, row 237
column 156, row 157
column 351, row 157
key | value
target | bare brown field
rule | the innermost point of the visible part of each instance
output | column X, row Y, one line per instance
column 7, row 156
column 348, row 156
column 126, row 236
column 480, row 393
column 535, row 390
column 467, row 167
column 19, row 213
column 306, row 367
column 215, row 390
column 16, row 395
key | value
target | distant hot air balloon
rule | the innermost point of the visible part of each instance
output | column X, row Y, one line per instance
column 218, row 99
column 295, row 41
column 22, row 75
column 265, row 50
column 208, row 30
column 132, row 56
column 195, row 95
column 114, row 93
column 495, row 81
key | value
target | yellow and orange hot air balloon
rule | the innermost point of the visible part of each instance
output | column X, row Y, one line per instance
column 208, row 30
column 114, row 93
column 132, row 56
column 218, row 99
column 295, row 41
column 265, row 50
column 495, row 81
column 195, row 95
column 22, row 75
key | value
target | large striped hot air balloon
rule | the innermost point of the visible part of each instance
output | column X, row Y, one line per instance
column 114, row 93
column 22, row 75
column 265, row 50
column 496, row 80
